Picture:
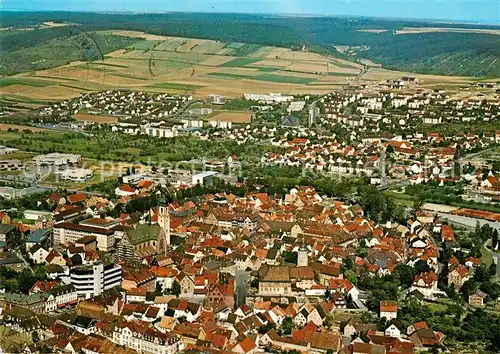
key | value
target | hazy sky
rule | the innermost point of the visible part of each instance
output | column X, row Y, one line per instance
column 486, row 11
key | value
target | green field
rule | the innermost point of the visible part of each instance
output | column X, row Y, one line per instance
column 341, row 64
column 8, row 81
column 246, row 50
column 168, row 64
column 208, row 48
column 239, row 62
column 234, row 45
column 283, row 79
column 189, row 58
column 228, row 76
column 174, row 86
column 9, row 99
column 265, row 69
column 171, row 45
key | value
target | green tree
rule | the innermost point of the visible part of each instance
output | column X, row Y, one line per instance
column 286, row 327
column 351, row 276
column 266, row 328
column 26, row 280
column 347, row 264
column 372, row 200
column 421, row 266
column 176, row 288
column 404, row 274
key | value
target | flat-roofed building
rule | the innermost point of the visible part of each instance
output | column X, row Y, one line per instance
column 57, row 159
column 100, row 222
column 162, row 131
column 69, row 232
column 216, row 99
column 37, row 214
column 75, row 174
column 70, row 214
column 94, row 280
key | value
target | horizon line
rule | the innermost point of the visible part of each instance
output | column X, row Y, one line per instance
column 390, row 18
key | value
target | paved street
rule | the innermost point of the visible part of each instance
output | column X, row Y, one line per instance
column 241, row 280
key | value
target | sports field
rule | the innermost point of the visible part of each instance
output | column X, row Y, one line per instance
column 196, row 66
column 233, row 117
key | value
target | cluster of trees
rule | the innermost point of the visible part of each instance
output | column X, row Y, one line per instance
column 37, row 201
column 484, row 280
column 122, row 147
column 388, row 287
column 21, row 282
column 432, row 192
column 450, row 194
column 36, row 50
column 470, row 328
column 378, row 206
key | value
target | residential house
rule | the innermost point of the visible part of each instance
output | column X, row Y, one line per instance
column 388, row 309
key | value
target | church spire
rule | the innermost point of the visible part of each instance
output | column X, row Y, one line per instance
column 164, row 220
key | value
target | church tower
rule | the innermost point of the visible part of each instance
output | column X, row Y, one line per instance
column 302, row 257
column 164, row 220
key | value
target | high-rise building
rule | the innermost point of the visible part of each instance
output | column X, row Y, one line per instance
column 94, row 280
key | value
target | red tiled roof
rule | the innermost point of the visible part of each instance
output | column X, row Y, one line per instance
column 388, row 306
column 428, row 277
column 127, row 188
column 447, row 233
column 77, row 198
column 247, row 344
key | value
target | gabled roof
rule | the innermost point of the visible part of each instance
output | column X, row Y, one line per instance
column 388, row 306
column 247, row 345
column 77, row 198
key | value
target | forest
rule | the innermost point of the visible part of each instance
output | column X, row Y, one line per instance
column 447, row 53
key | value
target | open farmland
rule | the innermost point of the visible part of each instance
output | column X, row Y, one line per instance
column 200, row 67
column 413, row 30
column 5, row 127
column 137, row 34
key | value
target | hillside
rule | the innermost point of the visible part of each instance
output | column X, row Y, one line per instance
column 134, row 60
column 421, row 47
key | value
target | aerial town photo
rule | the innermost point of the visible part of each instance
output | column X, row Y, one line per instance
column 249, row 177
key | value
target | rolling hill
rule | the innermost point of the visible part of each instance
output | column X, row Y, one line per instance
column 413, row 46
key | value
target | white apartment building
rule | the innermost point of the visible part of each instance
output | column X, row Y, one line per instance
column 192, row 123
column 148, row 341
column 162, row 132
column 220, row 124
column 70, row 232
column 216, row 99
column 92, row 281
column 296, row 106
